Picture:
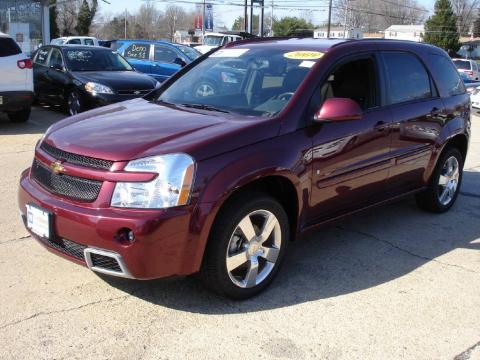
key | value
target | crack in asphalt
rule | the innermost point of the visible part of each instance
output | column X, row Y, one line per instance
column 376, row 238
column 469, row 194
column 42, row 313
column 467, row 353
column 22, row 238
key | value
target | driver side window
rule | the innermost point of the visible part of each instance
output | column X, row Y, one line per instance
column 356, row 80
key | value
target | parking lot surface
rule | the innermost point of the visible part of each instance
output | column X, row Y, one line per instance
column 393, row 282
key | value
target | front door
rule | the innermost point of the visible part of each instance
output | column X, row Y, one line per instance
column 351, row 159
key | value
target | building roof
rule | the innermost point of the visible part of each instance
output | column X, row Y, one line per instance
column 334, row 28
column 405, row 28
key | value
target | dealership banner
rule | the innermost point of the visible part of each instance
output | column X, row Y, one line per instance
column 198, row 16
column 208, row 17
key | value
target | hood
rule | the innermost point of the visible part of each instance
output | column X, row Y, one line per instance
column 138, row 128
column 117, row 80
column 205, row 48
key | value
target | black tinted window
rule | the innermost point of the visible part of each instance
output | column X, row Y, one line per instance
column 138, row 51
column 407, row 78
column 164, row 54
column 8, row 47
column 56, row 58
column 447, row 75
column 74, row 42
column 41, row 57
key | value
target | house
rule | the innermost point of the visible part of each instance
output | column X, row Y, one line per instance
column 405, row 32
column 337, row 32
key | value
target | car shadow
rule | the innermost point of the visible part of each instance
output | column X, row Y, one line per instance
column 41, row 118
column 357, row 253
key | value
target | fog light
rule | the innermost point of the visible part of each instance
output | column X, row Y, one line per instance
column 125, row 236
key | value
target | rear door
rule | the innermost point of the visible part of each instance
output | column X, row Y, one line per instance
column 138, row 55
column 56, row 77
column 40, row 68
column 418, row 117
column 164, row 64
column 13, row 78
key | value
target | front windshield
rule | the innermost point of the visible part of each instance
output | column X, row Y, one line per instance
column 189, row 52
column 257, row 82
column 212, row 40
column 95, row 60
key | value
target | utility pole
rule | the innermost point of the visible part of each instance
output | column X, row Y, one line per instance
column 345, row 22
column 261, row 18
column 245, row 17
column 271, row 20
column 203, row 22
column 329, row 18
column 126, row 23
column 250, row 24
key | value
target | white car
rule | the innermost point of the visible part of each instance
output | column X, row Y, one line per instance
column 75, row 40
column 468, row 67
column 16, row 80
column 214, row 40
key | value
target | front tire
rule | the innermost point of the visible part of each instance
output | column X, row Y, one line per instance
column 20, row 116
column 444, row 184
column 73, row 103
column 246, row 246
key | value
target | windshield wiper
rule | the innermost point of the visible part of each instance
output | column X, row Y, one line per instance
column 205, row 107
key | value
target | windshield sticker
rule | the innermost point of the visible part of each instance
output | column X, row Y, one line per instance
column 307, row 64
column 303, row 55
column 229, row 53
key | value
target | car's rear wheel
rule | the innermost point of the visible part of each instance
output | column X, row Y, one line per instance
column 444, row 184
column 73, row 103
column 20, row 116
column 246, row 246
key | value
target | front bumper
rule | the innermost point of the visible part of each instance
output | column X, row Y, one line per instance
column 15, row 100
column 165, row 242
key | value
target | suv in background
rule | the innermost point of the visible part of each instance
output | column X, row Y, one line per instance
column 468, row 67
column 16, row 80
column 219, row 183
column 75, row 40
column 215, row 40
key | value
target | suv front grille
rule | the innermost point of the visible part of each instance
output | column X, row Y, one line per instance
column 67, row 247
column 69, row 186
column 75, row 158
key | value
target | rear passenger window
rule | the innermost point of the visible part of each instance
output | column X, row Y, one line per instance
column 407, row 78
column 8, row 47
column 447, row 75
column 89, row 42
column 74, row 42
column 41, row 57
column 164, row 54
column 138, row 51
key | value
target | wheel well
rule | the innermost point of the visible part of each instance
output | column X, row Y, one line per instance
column 279, row 188
column 459, row 142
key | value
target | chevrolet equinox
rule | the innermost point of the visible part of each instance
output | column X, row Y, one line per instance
column 286, row 135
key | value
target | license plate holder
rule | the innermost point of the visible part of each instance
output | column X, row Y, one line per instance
column 39, row 221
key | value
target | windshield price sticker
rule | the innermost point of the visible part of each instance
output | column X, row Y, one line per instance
column 307, row 64
column 229, row 53
column 303, row 55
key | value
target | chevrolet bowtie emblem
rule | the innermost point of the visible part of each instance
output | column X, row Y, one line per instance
column 137, row 92
column 57, row 167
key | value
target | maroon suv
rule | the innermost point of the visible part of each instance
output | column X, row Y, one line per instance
column 242, row 151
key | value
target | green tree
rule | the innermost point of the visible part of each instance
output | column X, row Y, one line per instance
column 85, row 17
column 54, row 31
column 238, row 24
column 441, row 28
column 289, row 26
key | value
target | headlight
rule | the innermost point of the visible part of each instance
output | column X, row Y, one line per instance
column 170, row 188
column 96, row 88
column 158, row 84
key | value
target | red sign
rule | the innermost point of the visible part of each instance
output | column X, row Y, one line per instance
column 198, row 16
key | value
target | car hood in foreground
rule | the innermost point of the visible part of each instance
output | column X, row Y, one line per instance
column 138, row 128
column 117, row 80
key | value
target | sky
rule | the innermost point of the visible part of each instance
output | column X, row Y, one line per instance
column 224, row 13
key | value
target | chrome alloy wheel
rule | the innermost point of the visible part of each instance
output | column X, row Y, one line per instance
column 448, row 180
column 73, row 103
column 253, row 248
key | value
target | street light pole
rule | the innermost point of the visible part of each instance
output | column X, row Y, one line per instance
column 203, row 22
column 329, row 18
column 245, row 17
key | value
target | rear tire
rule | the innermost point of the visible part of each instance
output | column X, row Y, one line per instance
column 19, row 116
column 246, row 246
column 445, row 183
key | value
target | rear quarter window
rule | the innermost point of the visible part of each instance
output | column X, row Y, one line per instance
column 41, row 57
column 8, row 47
column 446, row 75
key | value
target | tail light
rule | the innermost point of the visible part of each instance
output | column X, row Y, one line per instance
column 24, row 64
column 469, row 73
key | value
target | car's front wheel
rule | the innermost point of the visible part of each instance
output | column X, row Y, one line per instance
column 20, row 116
column 246, row 246
column 444, row 184
column 73, row 103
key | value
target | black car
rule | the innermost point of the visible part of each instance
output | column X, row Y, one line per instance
column 85, row 77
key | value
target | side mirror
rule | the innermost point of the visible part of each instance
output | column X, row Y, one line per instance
column 338, row 109
column 180, row 62
column 57, row 67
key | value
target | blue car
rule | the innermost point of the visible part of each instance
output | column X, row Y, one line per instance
column 159, row 59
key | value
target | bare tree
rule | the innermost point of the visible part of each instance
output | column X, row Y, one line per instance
column 465, row 11
column 175, row 18
column 67, row 17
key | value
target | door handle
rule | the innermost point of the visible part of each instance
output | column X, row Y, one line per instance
column 380, row 126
